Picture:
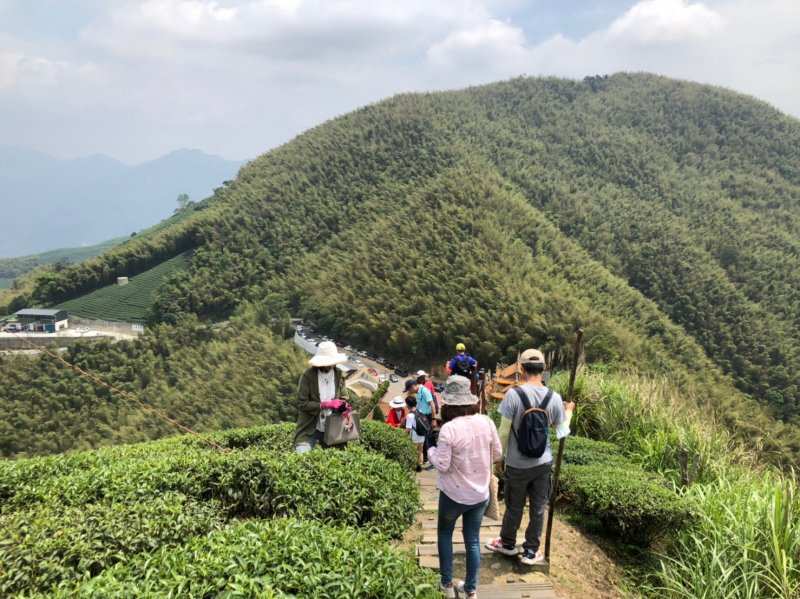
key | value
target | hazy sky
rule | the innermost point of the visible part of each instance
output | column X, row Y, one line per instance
column 137, row 78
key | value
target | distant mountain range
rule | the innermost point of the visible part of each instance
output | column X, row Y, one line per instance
column 48, row 203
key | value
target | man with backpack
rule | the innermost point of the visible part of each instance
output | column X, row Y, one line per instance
column 528, row 411
column 462, row 363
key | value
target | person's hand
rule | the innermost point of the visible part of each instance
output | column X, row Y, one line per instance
column 337, row 405
column 569, row 406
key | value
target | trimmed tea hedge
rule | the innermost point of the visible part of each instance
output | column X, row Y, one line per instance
column 278, row 558
column 45, row 545
column 637, row 506
column 355, row 486
column 375, row 436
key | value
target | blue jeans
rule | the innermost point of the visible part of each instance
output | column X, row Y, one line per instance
column 449, row 511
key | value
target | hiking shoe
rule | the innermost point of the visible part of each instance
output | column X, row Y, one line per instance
column 462, row 593
column 449, row 591
column 498, row 546
column 529, row 557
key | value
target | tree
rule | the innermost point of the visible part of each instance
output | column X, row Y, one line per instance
column 183, row 202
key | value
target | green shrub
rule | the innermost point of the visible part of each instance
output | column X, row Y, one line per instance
column 279, row 558
column 394, row 444
column 354, row 486
column 630, row 503
column 583, row 451
column 47, row 544
column 375, row 436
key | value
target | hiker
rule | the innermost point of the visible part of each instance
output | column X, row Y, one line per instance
column 320, row 386
column 527, row 413
column 424, row 411
column 412, row 427
column 468, row 445
column 397, row 412
column 462, row 363
column 423, row 380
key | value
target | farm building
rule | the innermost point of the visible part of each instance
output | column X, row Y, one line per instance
column 39, row 319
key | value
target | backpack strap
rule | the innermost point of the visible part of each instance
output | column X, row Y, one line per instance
column 523, row 397
column 546, row 399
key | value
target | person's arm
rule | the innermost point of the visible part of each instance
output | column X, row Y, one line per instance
column 497, row 446
column 306, row 400
column 505, row 433
column 441, row 456
column 564, row 416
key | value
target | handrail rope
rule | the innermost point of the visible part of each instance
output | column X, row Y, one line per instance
column 127, row 394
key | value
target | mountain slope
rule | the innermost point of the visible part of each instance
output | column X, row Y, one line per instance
column 661, row 215
column 89, row 199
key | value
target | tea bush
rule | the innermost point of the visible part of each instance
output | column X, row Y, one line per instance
column 375, row 436
column 47, row 544
column 355, row 486
column 277, row 558
column 630, row 503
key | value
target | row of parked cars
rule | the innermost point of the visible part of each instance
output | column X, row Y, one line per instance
column 354, row 355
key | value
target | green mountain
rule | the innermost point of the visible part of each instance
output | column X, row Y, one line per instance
column 660, row 215
column 11, row 268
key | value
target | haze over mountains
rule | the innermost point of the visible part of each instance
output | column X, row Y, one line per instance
column 50, row 203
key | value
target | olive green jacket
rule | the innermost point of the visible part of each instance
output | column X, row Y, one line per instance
column 308, row 403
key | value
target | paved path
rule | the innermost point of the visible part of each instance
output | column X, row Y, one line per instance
column 501, row 577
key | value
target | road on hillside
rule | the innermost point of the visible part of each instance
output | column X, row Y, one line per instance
column 394, row 388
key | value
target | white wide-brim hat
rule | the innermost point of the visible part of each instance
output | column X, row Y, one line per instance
column 421, row 373
column 327, row 355
column 457, row 392
column 397, row 402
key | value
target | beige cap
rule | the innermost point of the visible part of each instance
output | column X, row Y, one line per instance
column 532, row 356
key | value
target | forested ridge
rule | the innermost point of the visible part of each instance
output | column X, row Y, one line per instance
column 661, row 215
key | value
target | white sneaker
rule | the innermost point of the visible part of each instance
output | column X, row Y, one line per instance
column 529, row 558
column 497, row 546
column 449, row 592
column 459, row 585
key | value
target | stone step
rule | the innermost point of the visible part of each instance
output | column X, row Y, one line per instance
column 517, row 590
column 428, row 522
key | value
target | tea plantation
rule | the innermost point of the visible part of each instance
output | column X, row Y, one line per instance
column 238, row 513
column 178, row 517
column 126, row 302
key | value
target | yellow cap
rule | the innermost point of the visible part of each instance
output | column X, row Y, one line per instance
column 461, row 347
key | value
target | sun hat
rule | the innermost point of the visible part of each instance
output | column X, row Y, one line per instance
column 410, row 383
column 457, row 391
column 461, row 347
column 421, row 373
column 397, row 402
column 532, row 356
column 327, row 355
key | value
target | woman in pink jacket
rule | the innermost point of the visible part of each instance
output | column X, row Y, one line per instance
column 468, row 445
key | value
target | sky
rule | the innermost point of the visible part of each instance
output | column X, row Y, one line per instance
column 135, row 79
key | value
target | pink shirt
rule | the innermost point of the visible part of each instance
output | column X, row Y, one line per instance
column 463, row 456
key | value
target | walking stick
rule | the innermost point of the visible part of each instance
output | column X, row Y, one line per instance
column 560, row 454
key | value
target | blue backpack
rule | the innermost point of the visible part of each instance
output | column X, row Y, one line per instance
column 533, row 427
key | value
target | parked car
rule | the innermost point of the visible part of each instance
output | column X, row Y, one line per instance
column 401, row 372
column 394, row 378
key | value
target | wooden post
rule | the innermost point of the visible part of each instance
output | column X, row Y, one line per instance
column 560, row 454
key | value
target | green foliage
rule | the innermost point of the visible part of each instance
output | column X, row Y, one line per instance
column 630, row 503
column 393, row 443
column 202, row 376
column 745, row 545
column 131, row 302
column 67, row 518
column 377, row 437
column 11, row 268
column 374, row 401
column 281, row 558
column 49, row 543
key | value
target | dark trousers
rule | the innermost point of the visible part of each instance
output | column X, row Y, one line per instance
column 521, row 485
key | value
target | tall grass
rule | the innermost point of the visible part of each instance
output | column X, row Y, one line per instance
column 745, row 541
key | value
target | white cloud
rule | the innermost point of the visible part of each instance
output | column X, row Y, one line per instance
column 236, row 77
column 485, row 42
column 666, row 21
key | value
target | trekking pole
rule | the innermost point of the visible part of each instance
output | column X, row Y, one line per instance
column 560, row 454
